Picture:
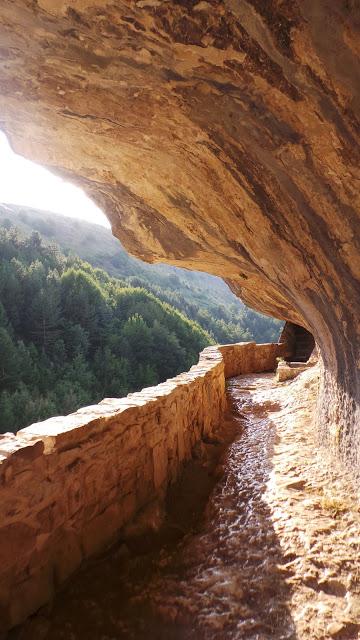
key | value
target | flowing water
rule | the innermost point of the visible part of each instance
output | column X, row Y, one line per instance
column 222, row 580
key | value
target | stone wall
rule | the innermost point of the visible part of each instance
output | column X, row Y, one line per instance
column 248, row 357
column 68, row 485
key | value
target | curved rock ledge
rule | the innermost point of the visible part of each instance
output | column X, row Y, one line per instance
column 69, row 484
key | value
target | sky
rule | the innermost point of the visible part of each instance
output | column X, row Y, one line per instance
column 27, row 183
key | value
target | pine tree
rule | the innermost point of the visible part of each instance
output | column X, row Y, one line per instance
column 9, row 365
column 6, row 413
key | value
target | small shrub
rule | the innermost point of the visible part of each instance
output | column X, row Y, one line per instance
column 334, row 505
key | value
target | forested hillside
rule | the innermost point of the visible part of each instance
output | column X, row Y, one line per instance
column 202, row 297
column 71, row 335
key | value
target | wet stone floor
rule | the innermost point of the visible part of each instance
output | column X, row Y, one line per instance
column 262, row 554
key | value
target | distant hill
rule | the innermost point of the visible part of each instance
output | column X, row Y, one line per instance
column 202, row 297
column 96, row 244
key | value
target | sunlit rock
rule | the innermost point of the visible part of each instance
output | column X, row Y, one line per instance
column 220, row 136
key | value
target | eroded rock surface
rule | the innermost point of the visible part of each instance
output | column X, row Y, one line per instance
column 220, row 135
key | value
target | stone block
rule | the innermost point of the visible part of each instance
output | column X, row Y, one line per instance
column 17, row 542
column 17, row 455
column 265, row 357
column 75, row 495
column 101, row 531
column 67, row 555
column 52, row 516
column 160, row 462
column 289, row 370
column 30, row 594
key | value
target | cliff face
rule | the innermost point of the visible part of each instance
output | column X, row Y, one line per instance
column 217, row 135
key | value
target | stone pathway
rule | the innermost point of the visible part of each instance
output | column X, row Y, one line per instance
column 274, row 556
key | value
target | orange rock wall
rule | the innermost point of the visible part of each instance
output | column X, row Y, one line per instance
column 69, row 485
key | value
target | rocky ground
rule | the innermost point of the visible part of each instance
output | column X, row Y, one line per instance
column 315, row 514
column 274, row 552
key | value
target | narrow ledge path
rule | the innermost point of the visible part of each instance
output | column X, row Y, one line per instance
column 274, row 555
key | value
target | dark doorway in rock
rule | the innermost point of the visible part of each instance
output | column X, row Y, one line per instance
column 300, row 341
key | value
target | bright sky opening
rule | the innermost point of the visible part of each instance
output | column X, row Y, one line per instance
column 26, row 183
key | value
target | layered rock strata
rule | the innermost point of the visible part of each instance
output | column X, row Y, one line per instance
column 221, row 135
column 70, row 484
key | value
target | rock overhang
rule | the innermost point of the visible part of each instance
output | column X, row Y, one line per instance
column 221, row 136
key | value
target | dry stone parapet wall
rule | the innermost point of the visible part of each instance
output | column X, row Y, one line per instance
column 68, row 485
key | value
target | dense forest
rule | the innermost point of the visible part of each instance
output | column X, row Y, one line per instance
column 71, row 335
column 201, row 297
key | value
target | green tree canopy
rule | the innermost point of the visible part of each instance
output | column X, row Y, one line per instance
column 71, row 335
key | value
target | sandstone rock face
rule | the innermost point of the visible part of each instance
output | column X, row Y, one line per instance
column 70, row 484
column 220, row 135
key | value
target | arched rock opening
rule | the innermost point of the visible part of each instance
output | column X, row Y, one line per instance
column 217, row 135
column 300, row 341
